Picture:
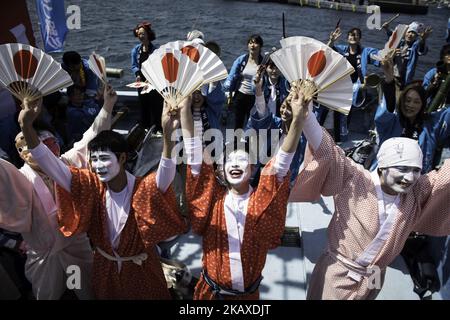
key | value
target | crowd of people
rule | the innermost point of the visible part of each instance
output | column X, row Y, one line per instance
column 67, row 197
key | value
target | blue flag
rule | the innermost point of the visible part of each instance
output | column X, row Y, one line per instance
column 52, row 18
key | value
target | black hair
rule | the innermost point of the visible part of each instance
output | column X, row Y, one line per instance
column 357, row 30
column 421, row 115
column 445, row 48
column 109, row 140
column 148, row 28
column 271, row 63
column 256, row 38
column 71, row 58
column 214, row 47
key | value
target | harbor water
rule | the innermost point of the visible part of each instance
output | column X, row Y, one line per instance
column 106, row 27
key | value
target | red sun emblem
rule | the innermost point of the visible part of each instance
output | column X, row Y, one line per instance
column 25, row 64
column 170, row 66
column 317, row 63
column 191, row 52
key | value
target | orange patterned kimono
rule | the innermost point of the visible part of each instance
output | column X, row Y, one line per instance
column 264, row 226
column 153, row 217
column 355, row 223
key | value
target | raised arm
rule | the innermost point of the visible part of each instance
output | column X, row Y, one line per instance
column 333, row 37
column 46, row 160
column 285, row 154
column 166, row 169
column 260, row 101
column 388, row 84
column 192, row 144
column 423, row 49
column 78, row 155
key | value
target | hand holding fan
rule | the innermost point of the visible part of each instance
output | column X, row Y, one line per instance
column 319, row 71
column 28, row 72
column 173, row 74
column 97, row 65
column 392, row 43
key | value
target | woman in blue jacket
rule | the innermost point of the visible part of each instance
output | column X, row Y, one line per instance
column 152, row 102
column 408, row 118
column 239, row 83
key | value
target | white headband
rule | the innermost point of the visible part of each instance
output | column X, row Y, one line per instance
column 399, row 152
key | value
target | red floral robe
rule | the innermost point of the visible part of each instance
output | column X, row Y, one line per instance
column 264, row 226
column 153, row 217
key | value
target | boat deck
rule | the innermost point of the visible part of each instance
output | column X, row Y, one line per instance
column 288, row 269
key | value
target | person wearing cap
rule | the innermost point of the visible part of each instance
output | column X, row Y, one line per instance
column 238, row 224
column 152, row 102
column 374, row 211
column 239, row 84
column 196, row 36
column 409, row 49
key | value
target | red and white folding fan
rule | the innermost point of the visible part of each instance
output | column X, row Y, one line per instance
column 212, row 67
column 98, row 66
column 173, row 74
column 392, row 43
column 322, row 73
column 28, row 72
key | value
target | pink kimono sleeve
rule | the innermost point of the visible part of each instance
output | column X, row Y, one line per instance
column 325, row 172
column 434, row 194
column 17, row 199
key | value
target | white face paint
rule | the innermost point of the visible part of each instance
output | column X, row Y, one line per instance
column 105, row 165
column 237, row 168
column 400, row 179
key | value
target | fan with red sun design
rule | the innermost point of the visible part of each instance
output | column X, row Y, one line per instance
column 173, row 74
column 209, row 63
column 392, row 43
column 97, row 65
column 28, row 72
column 322, row 73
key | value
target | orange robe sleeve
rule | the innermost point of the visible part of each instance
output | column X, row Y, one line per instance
column 270, row 200
column 201, row 191
column 157, row 213
column 75, row 208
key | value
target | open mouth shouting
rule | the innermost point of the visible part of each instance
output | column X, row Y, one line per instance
column 237, row 168
column 236, row 173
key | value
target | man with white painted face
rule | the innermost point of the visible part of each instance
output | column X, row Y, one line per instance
column 49, row 253
column 238, row 224
column 374, row 211
column 124, row 216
